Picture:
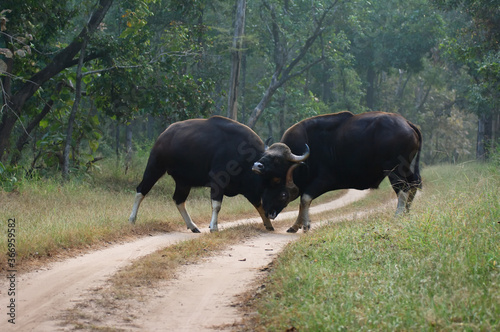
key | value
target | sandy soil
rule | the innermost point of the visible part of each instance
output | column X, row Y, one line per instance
column 202, row 298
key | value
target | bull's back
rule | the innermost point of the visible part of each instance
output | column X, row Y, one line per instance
column 354, row 151
column 192, row 149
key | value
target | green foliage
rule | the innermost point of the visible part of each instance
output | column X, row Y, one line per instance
column 436, row 268
column 475, row 45
column 169, row 60
column 495, row 154
column 8, row 178
column 394, row 34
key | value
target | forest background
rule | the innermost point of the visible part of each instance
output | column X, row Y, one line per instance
column 93, row 79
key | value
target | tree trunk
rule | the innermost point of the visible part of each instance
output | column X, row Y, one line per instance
column 239, row 29
column 283, row 70
column 243, row 88
column 150, row 127
column 282, row 113
column 128, row 144
column 25, row 134
column 9, row 117
column 370, row 89
column 257, row 111
column 64, row 59
column 481, row 147
column 495, row 118
column 74, row 110
column 327, row 83
column 117, row 142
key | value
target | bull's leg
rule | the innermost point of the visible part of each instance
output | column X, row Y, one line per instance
column 411, row 195
column 401, row 187
column 180, row 195
column 218, row 184
column 405, row 198
column 187, row 218
column 152, row 174
column 216, row 205
column 267, row 222
column 303, row 219
column 405, row 190
column 402, row 201
column 255, row 199
column 138, row 200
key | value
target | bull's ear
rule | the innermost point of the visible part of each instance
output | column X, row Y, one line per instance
column 268, row 141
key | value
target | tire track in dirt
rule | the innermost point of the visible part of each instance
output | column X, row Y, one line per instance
column 199, row 298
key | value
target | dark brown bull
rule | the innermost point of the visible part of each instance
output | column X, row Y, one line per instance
column 340, row 151
column 216, row 153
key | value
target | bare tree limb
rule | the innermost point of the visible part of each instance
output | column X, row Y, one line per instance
column 283, row 72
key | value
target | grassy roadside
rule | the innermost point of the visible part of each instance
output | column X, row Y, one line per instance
column 134, row 283
column 435, row 269
column 53, row 219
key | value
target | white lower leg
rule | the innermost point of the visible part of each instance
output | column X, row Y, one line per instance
column 185, row 215
column 138, row 199
column 411, row 196
column 216, row 205
column 402, row 199
column 303, row 219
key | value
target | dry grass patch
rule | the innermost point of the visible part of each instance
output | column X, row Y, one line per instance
column 137, row 282
column 163, row 264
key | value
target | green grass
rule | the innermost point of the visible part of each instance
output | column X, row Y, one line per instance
column 92, row 209
column 435, row 269
column 52, row 218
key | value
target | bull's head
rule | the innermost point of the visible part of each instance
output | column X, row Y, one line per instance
column 277, row 166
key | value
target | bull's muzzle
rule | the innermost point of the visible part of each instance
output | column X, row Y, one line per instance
column 272, row 215
column 258, row 167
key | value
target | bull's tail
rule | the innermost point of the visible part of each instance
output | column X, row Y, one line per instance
column 153, row 172
column 415, row 164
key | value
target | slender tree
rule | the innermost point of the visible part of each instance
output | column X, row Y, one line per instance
column 74, row 109
column 286, row 68
column 236, row 57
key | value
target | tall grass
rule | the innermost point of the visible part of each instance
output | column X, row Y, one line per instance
column 435, row 269
column 93, row 209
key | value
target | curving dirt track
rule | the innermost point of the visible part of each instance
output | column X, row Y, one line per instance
column 201, row 298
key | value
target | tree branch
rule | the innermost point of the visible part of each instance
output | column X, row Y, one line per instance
column 281, row 76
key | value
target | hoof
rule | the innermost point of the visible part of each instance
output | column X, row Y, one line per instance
column 291, row 230
column 270, row 228
column 306, row 229
column 195, row 230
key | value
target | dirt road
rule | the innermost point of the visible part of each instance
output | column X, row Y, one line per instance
column 201, row 298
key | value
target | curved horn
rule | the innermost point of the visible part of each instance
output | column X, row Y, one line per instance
column 289, row 175
column 297, row 159
column 293, row 190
